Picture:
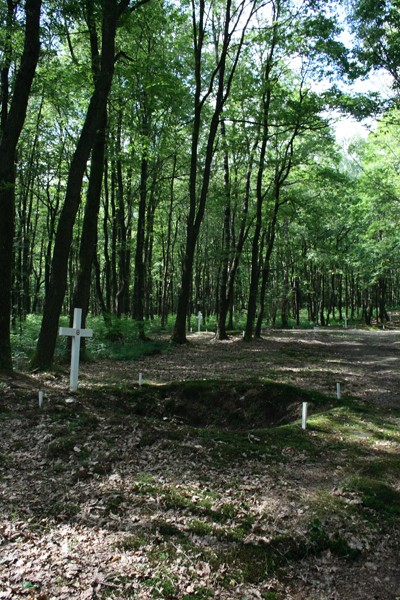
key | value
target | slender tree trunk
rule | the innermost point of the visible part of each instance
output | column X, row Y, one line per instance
column 94, row 117
column 25, row 231
column 123, row 250
column 223, row 303
column 271, row 234
column 285, row 285
column 166, row 281
column 12, row 121
column 340, row 296
column 198, row 187
column 260, row 192
column 179, row 333
column 382, row 288
column 87, row 250
column 88, row 242
column 233, row 251
column 104, row 310
column 139, row 278
column 149, row 289
column 322, row 304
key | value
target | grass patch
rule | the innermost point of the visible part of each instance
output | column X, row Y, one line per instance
column 378, row 496
column 228, row 447
column 62, row 446
column 131, row 543
column 320, row 541
column 64, row 510
column 387, row 466
column 5, row 412
column 6, row 460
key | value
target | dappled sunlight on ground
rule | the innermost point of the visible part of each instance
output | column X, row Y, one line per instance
column 101, row 500
column 367, row 362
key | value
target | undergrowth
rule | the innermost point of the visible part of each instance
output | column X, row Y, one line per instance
column 115, row 340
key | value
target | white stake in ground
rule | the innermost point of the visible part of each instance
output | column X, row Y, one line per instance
column 76, row 333
column 40, row 399
column 338, row 391
column 304, row 415
column 199, row 316
column 140, row 378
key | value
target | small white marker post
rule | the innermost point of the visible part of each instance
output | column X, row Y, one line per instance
column 40, row 399
column 199, row 316
column 76, row 333
column 304, row 415
column 345, row 322
column 338, row 391
column 140, row 378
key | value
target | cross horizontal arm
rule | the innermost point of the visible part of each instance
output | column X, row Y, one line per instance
column 86, row 333
column 67, row 331
column 74, row 331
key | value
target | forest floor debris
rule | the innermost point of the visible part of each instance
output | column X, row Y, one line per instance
column 121, row 492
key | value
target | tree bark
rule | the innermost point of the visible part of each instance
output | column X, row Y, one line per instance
column 88, row 242
column 223, row 304
column 198, row 190
column 139, row 278
column 94, row 118
column 167, row 251
column 88, row 245
column 260, row 192
column 12, row 122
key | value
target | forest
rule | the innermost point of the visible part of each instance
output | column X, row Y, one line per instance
column 160, row 158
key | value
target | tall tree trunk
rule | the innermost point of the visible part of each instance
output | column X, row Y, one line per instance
column 123, row 252
column 12, row 122
column 87, row 249
column 107, row 259
column 88, row 242
column 166, row 280
column 285, row 297
column 322, row 304
column 260, row 192
column 25, row 234
column 149, row 289
column 104, row 310
column 382, row 287
column 280, row 177
column 139, row 280
column 94, row 118
column 223, row 303
column 198, row 188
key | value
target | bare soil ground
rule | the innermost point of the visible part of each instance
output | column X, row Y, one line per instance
column 100, row 498
column 365, row 362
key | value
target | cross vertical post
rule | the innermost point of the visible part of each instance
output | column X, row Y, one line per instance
column 76, row 333
column 304, row 415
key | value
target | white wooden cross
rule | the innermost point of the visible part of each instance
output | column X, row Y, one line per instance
column 199, row 316
column 76, row 333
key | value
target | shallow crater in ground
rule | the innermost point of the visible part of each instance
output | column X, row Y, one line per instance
column 238, row 405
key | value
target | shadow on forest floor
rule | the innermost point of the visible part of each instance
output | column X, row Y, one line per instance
column 206, row 488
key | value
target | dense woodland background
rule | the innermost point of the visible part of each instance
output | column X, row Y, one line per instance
column 158, row 158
